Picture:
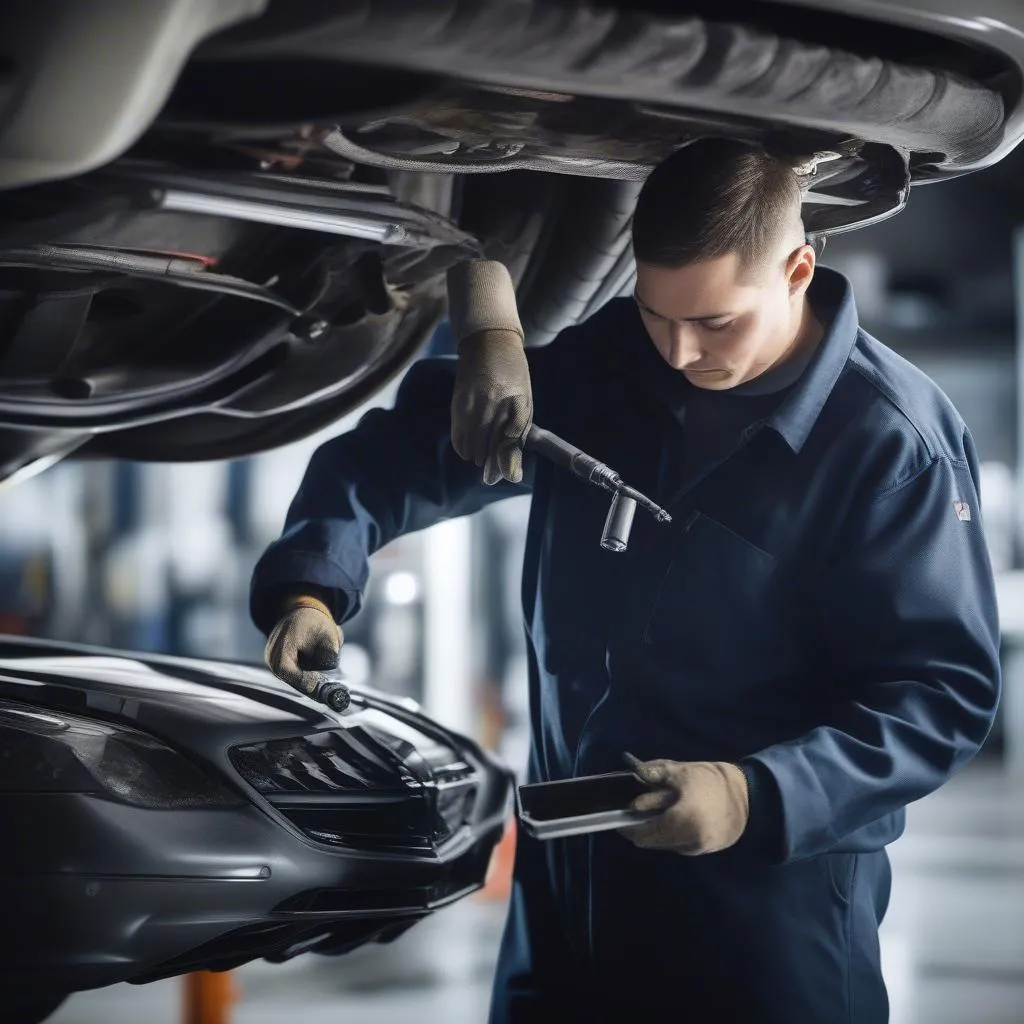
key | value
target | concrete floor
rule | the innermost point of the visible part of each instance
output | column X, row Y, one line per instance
column 953, row 941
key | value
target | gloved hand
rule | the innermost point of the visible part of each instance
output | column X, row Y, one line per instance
column 304, row 644
column 492, row 404
column 704, row 804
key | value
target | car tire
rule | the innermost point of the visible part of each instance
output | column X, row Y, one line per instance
column 565, row 239
column 585, row 260
column 675, row 58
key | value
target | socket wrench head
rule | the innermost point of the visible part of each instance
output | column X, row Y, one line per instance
column 618, row 523
column 340, row 699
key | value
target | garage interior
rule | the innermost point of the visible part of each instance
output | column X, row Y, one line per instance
column 157, row 557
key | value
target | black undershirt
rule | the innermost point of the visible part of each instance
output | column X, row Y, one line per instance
column 713, row 421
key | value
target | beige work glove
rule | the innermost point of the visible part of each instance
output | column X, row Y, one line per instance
column 304, row 644
column 492, row 404
column 704, row 806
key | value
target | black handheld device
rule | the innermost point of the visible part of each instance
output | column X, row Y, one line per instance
column 591, row 803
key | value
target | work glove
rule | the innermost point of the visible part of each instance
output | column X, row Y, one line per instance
column 492, row 404
column 704, row 806
column 305, row 643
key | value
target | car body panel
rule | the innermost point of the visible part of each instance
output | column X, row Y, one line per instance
column 99, row 890
column 63, row 70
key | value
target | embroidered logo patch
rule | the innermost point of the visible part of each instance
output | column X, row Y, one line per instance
column 963, row 511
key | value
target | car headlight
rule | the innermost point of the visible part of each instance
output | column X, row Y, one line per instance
column 44, row 751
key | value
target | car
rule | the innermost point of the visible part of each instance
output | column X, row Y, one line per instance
column 225, row 224
column 237, row 231
column 167, row 815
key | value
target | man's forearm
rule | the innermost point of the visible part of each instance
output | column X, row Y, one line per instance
column 900, row 743
column 394, row 474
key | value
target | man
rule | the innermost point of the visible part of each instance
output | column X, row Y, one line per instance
column 810, row 646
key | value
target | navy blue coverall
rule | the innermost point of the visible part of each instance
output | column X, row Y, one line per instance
column 820, row 611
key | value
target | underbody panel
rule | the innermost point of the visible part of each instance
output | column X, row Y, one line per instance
column 257, row 243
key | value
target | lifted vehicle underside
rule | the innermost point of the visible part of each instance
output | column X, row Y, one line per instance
column 269, row 248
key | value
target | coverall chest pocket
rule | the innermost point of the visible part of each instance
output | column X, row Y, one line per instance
column 716, row 615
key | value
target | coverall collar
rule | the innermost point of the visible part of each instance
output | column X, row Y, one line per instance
column 832, row 298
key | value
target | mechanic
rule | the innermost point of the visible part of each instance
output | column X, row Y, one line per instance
column 809, row 647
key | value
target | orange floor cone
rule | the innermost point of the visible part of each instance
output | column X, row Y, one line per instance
column 207, row 997
column 499, row 874
column 494, row 720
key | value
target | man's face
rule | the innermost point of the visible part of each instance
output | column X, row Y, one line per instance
column 718, row 325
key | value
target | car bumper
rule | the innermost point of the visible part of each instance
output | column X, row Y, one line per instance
column 97, row 892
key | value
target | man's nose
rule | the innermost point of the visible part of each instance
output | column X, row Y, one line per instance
column 682, row 348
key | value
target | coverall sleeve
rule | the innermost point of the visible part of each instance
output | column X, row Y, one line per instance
column 909, row 612
column 394, row 473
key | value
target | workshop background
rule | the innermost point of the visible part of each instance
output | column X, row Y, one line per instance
column 158, row 557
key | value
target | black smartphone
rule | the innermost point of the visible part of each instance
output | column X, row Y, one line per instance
column 592, row 803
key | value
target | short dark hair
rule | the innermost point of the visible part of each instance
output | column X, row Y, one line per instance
column 713, row 197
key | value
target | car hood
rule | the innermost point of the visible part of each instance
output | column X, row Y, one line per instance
column 192, row 702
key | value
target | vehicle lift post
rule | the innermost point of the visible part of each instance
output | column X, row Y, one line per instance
column 207, row 997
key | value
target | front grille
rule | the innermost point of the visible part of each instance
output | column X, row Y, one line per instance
column 377, row 784
column 327, row 762
column 386, row 821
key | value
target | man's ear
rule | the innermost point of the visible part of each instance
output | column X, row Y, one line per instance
column 800, row 270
